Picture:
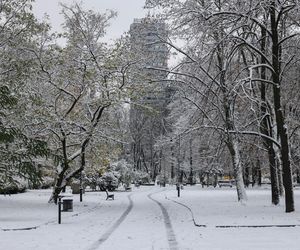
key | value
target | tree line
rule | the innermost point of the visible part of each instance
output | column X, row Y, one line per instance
column 234, row 99
column 61, row 105
column 237, row 81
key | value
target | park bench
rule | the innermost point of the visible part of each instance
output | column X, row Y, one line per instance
column 109, row 196
column 225, row 183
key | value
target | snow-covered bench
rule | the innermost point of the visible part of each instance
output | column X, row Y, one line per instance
column 225, row 183
column 109, row 196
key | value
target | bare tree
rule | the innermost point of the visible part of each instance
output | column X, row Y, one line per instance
column 236, row 24
column 84, row 81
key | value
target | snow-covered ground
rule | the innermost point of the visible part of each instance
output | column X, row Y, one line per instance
column 150, row 218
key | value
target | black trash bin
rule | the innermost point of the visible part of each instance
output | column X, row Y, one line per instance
column 67, row 204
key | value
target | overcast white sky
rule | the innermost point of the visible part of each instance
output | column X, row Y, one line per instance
column 127, row 11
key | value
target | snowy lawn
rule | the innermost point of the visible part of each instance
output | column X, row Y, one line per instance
column 135, row 221
column 219, row 207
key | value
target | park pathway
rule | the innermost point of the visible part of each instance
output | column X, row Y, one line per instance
column 150, row 225
column 143, row 227
column 139, row 220
column 170, row 232
column 148, row 218
column 106, row 235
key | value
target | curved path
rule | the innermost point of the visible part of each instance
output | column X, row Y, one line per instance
column 141, row 220
column 170, row 232
column 150, row 222
column 105, row 236
column 147, row 226
column 148, row 218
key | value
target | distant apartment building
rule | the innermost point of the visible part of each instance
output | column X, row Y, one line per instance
column 147, row 115
column 147, row 36
column 146, row 39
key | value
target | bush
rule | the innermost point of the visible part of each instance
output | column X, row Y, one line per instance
column 141, row 177
column 124, row 169
column 47, row 182
column 13, row 188
column 108, row 181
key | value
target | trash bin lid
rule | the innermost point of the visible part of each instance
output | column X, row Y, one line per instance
column 65, row 196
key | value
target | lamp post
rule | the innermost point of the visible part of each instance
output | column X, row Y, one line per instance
column 178, row 170
column 80, row 187
column 172, row 161
column 191, row 177
column 178, row 161
column 59, row 209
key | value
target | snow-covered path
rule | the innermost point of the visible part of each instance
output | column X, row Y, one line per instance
column 107, row 234
column 168, row 225
column 154, row 223
column 149, row 218
column 142, row 229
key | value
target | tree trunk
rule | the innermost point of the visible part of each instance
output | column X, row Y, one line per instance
column 246, row 176
column 233, row 147
column 191, row 175
column 279, row 173
column 60, row 184
column 274, row 176
column 253, row 170
column 207, row 180
column 181, row 176
column 64, row 178
column 280, row 119
column 266, row 126
column 231, row 139
column 232, row 143
column 258, row 171
column 172, row 172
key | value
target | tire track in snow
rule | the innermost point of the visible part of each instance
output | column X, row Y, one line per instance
column 170, row 232
column 106, row 235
